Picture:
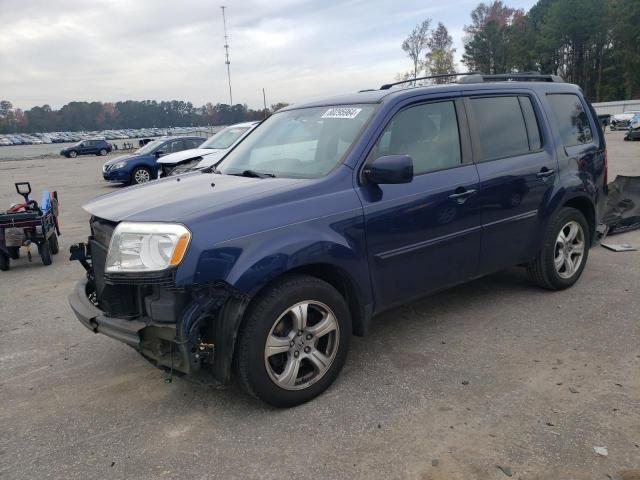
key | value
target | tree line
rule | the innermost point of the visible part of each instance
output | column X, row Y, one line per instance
column 83, row 116
column 592, row 43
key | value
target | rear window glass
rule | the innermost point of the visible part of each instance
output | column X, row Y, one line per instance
column 572, row 121
column 500, row 127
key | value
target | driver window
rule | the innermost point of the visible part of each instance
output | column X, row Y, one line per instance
column 427, row 133
column 172, row 147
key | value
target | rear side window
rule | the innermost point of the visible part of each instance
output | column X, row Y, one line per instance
column 427, row 133
column 501, row 129
column 572, row 120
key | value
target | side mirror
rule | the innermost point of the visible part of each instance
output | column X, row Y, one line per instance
column 390, row 169
column 159, row 153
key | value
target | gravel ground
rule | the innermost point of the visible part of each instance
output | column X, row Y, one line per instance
column 493, row 372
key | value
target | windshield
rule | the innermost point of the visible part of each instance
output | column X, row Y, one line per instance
column 304, row 143
column 224, row 138
column 150, row 147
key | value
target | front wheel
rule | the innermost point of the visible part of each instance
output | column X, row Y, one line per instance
column 140, row 175
column 73, row 154
column 45, row 253
column 103, row 152
column 564, row 253
column 294, row 342
column 53, row 244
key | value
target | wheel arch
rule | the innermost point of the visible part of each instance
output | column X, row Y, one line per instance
column 585, row 206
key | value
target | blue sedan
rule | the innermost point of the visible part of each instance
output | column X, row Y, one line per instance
column 142, row 165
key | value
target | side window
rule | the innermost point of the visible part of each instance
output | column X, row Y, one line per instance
column 193, row 143
column 427, row 133
column 172, row 147
column 572, row 120
column 533, row 130
column 501, row 130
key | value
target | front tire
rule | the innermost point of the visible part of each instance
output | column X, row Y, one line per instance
column 140, row 175
column 53, row 244
column 45, row 253
column 564, row 253
column 294, row 341
column 103, row 152
column 73, row 154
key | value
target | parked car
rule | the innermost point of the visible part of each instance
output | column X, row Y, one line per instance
column 142, row 165
column 634, row 128
column 621, row 121
column 87, row 147
column 336, row 210
column 208, row 153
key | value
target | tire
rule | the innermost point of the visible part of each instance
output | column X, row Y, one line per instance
column 14, row 252
column 550, row 269
column 53, row 244
column 73, row 154
column 5, row 262
column 272, row 316
column 140, row 175
column 45, row 253
column 103, row 152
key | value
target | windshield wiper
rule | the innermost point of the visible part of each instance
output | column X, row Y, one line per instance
column 254, row 174
column 211, row 169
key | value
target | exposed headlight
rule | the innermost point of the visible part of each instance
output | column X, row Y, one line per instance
column 118, row 165
column 146, row 247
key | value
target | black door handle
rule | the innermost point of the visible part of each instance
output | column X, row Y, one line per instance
column 462, row 194
column 545, row 172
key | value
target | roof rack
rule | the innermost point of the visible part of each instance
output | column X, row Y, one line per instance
column 477, row 77
column 387, row 86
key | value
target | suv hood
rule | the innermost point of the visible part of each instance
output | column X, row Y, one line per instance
column 179, row 199
column 186, row 155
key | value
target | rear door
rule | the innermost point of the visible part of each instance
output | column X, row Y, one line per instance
column 518, row 170
column 423, row 235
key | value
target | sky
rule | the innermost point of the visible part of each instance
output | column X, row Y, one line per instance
column 57, row 51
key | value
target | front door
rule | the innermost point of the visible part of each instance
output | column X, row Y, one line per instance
column 423, row 235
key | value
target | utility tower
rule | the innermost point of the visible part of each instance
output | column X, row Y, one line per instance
column 226, row 49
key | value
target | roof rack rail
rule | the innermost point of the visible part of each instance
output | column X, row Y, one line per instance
column 387, row 86
column 477, row 77
column 525, row 76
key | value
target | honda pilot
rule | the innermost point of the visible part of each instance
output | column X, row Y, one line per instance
column 331, row 212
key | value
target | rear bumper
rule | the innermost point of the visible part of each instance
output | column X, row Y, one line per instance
column 127, row 331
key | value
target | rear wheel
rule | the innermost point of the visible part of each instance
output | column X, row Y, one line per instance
column 53, row 244
column 564, row 253
column 45, row 253
column 140, row 175
column 5, row 262
column 294, row 342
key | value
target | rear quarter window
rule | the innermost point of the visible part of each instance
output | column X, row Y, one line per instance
column 571, row 119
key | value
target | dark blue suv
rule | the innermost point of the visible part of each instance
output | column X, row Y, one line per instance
column 333, row 211
column 142, row 165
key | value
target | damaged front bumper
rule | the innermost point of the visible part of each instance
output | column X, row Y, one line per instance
column 190, row 332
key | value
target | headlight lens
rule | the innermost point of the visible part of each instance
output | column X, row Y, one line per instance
column 147, row 247
column 118, row 165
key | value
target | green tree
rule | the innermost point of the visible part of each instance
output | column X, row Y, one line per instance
column 439, row 59
column 416, row 43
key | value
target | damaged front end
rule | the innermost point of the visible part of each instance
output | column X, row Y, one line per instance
column 188, row 330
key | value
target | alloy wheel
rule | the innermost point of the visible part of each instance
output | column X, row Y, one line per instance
column 142, row 176
column 569, row 249
column 301, row 345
